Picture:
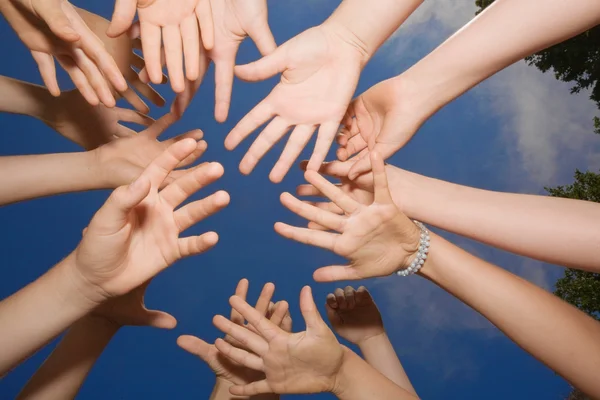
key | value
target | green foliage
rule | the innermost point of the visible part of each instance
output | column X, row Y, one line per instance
column 597, row 125
column 580, row 288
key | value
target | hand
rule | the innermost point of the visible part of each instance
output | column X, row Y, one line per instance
column 320, row 71
column 354, row 315
column 178, row 22
column 74, row 45
column 130, row 309
column 135, row 234
column 90, row 126
column 230, row 371
column 305, row 362
column 234, row 20
column 380, row 119
column 121, row 161
column 377, row 239
column 121, row 49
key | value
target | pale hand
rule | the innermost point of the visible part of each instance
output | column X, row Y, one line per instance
column 234, row 20
column 130, row 309
column 54, row 29
column 135, row 234
column 320, row 71
column 377, row 239
column 380, row 119
column 305, row 362
column 179, row 26
column 121, row 49
column 90, row 126
column 354, row 315
column 230, row 371
column 121, row 161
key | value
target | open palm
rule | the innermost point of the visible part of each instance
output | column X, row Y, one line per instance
column 319, row 75
column 377, row 239
column 135, row 234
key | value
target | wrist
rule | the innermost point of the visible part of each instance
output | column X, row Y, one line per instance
column 344, row 35
column 344, row 378
column 371, row 341
column 97, row 164
column 102, row 328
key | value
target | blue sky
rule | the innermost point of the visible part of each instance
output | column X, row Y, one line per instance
column 520, row 131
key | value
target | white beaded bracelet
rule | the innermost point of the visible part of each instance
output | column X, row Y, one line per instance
column 419, row 260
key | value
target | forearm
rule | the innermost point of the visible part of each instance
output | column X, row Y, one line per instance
column 504, row 33
column 357, row 380
column 23, row 98
column 32, row 176
column 556, row 333
column 369, row 24
column 65, row 370
column 554, row 230
column 39, row 312
column 380, row 354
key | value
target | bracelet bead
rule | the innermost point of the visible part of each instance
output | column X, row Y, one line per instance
column 418, row 262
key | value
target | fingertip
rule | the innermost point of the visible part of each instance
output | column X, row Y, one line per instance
column 211, row 238
column 222, row 198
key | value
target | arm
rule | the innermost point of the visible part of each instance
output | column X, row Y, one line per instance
column 28, row 177
column 63, row 373
column 357, row 380
column 554, row 230
column 23, row 98
column 556, row 333
column 504, row 33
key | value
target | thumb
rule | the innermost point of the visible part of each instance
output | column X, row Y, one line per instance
column 113, row 214
column 194, row 345
column 264, row 68
column 122, row 17
column 309, row 310
column 363, row 165
column 263, row 38
column 335, row 273
column 53, row 13
column 159, row 319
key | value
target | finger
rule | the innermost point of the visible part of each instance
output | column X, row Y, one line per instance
column 158, row 319
column 183, row 100
column 309, row 310
column 263, row 38
column 151, row 44
column 45, row 63
column 331, row 301
column 54, row 16
column 264, row 68
column 362, row 295
column 193, row 245
column 79, row 79
column 336, row 169
column 122, row 17
column 276, row 129
column 325, row 138
column 308, row 190
column 167, row 161
column 254, row 317
column 136, row 102
column 241, row 291
column 337, row 273
column 195, row 346
column 223, row 85
column 247, row 338
column 327, row 206
column 195, row 134
column 136, row 60
column 178, row 191
column 251, row 389
column 190, row 36
column 262, row 304
column 113, row 215
column 353, row 146
column 174, row 57
column 280, row 310
column 134, row 117
column 380, row 182
column 94, row 77
column 240, row 356
column 251, row 121
column 333, row 193
column 201, row 209
column 340, row 299
column 286, row 324
column 321, row 239
column 296, row 143
column 205, row 21
column 324, row 218
column 159, row 126
column 134, row 33
column 349, row 295
column 148, row 92
column 122, row 131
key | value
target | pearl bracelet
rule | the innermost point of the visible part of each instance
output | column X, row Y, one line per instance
column 419, row 260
